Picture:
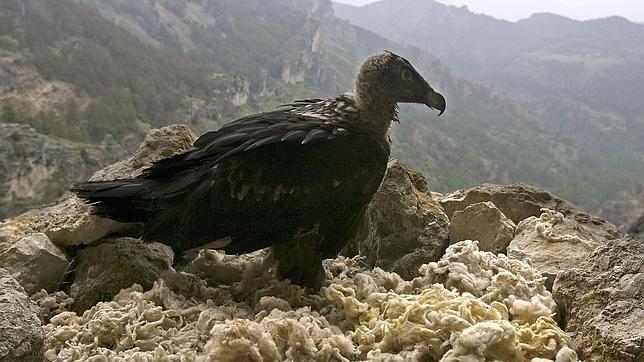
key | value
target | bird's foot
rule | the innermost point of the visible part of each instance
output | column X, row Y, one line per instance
column 301, row 262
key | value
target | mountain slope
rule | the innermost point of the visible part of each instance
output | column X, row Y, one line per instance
column 121, row 80
column 572, row 55
column 333, row 49
column 76, row 93
column 583, row 78
column 265, row 43
column 36, row 169
column 210, row 59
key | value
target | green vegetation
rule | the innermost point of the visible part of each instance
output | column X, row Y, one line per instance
column 67, row 125
column 126, row 80
column 9, row 42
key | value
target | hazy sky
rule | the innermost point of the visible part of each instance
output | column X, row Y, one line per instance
column 519, row 9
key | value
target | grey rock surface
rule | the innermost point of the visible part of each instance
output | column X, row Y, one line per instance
column 67, row 223
column 71, row 222
column 21, row 333
column 484, row 222
column 553, row 243
column 158, row 144
column 35, row 262
column 404, row 227
column 519, row 201
column 103, row 270
column 602, row 302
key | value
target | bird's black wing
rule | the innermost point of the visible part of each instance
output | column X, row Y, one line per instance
column 257, row 129
column 261, row 180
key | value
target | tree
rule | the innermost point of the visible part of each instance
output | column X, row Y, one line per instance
column 9, row 114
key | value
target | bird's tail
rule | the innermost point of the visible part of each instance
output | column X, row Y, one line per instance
column 119, row 200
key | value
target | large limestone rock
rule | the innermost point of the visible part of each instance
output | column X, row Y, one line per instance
column 603, row 302
column 158, row 144
column 404, row 227
column 103, row 270
column 483, row 222
column 520, row 201
column 21, row 334
column 553, row 243
column 67, row 223
column 70, row 222
column 35, row 262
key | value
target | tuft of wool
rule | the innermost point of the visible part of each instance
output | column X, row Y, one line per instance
column 491, row 277
column 469, row 306
column 547, row 220
column 51, row 304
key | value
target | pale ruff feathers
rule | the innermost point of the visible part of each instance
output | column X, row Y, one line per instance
column 332, row 111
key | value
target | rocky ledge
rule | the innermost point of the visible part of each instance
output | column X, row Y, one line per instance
column 497, row 272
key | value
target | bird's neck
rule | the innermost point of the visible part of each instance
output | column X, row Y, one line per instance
column 376, row 113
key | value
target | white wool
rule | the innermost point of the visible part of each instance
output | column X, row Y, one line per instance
column 566, row 355
column 547, row 220
column 484, row 341
column 491, row 278
column 240, row 340
column 216, row 266
column 469, row 306
column 51, row 304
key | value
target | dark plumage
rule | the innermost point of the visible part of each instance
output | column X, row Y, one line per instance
column 297, row 178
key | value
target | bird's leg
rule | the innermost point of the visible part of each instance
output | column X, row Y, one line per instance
column 300, row 260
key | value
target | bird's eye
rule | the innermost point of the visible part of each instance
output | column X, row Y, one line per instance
column 405, row 74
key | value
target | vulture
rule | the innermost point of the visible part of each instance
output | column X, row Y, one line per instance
column 296, row 179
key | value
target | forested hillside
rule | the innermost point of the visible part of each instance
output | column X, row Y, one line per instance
column 86, row 87
column 95, row 71
column 115, row 80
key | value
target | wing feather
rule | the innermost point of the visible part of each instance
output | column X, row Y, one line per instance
column 260, row 178
column 264, row 141
column 294, row 135
column 315, row 134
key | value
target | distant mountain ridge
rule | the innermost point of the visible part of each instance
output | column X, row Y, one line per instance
column 583, row 77
column 496, row 51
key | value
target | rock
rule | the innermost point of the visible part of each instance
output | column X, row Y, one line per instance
column 103, row 270
column 21, row 334
column 35, row 262
column 520, row 201
column 70, row 222
column 483, row 222
column 218, row 267
column 637, row 228
column 404, row 227
column 158, row 144
column 67, row 223
column 602, row 302
column 553, row 243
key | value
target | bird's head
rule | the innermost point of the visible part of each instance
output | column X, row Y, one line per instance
column 391, row 78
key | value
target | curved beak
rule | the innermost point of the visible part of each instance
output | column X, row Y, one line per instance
column 436, row 100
